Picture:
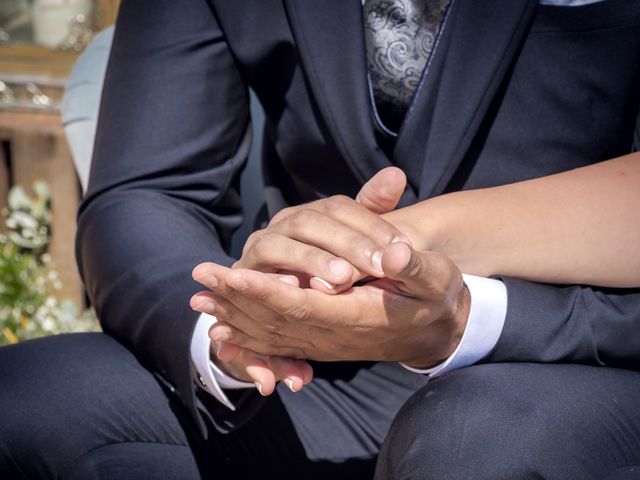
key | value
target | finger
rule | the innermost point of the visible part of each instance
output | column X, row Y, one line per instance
column 227, row 333
column 350, row 213
column 248, row 289
column 314, row 230
column 257, row 321
column 382, row 193
column 282, row 251
column 305, row 313
column 226, row 352
column 204, row 273
column 255, row 366
column 426, row 275
column 294, row 373
column 265, row 371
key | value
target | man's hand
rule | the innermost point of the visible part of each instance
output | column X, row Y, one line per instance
column 330, row 243
column 416, row 315
column 310, row 241
column 246, row 365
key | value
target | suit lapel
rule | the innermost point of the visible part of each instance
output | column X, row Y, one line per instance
column 476, row 48
column 329, row 35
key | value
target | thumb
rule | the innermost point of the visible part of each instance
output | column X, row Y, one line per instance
column 382, row 192
column 426, row 275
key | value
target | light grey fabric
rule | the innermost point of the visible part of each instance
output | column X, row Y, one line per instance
column 82, row 101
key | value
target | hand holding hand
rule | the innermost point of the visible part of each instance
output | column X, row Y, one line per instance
column 311, row 239
column 416, row 315
column 330, row 243
column 246, row 365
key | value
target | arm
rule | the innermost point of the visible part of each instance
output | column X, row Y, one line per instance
column 574, row 227
column 563, row 324
column 162, row 192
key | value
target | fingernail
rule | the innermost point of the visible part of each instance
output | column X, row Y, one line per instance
column 211, row 280
column 289, row 280
column 218, row 348
column 289, row 383
column 259, row 387
column 401, row 239
column 339, row 268
column 376, row 261
column 323, row 282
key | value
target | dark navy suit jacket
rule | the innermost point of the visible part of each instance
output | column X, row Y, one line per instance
column 513, row 91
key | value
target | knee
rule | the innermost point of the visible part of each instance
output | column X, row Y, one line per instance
column 38, row 404
column 476, row 423
column 60, row 397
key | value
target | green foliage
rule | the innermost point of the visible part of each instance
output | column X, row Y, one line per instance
column 29, row 306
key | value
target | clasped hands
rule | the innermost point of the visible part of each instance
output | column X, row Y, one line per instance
column 332, row 280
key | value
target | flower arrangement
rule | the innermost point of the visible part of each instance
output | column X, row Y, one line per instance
column 29, row 307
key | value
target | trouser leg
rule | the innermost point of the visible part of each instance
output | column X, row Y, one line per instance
column 518, row 421
column 80, row 407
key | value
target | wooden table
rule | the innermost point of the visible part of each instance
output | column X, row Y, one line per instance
column 32, row 147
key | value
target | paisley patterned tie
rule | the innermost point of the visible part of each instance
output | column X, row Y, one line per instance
column 400, row 35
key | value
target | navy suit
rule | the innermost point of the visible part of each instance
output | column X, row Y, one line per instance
column 513, row 91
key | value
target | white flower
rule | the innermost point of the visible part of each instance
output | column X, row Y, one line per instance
column 24, row 220
column 18, row 199
column 48, row 325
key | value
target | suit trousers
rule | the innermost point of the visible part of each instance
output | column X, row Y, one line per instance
column 80, row 406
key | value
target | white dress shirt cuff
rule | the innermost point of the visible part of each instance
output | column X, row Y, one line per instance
column 484, row 326
column 211, row 378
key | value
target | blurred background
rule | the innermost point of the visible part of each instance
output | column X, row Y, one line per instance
column 40, row 289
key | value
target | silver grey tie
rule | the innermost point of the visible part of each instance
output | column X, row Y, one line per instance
column 399, row 35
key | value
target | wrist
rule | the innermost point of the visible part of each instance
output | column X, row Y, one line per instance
column 459, row 320
column 453, row 326
column 422, row 223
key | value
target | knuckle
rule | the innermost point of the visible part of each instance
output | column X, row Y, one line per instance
column 313, row 256
column 282, row 215
column 361, row 245
column 272, row 339
column 337, row 202
column 299, row 313
column 260, row 247
column 302, row 219
column 386, row 233
column 230, row 294
column 251, row 241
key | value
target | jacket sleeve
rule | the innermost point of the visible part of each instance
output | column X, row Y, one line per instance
column 173, row 135
column 570, row 324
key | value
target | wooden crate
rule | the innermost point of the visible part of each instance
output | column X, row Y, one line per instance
column 32, row 147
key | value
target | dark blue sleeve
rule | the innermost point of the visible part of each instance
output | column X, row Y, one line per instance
column 570, row 324
column 173, row 135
